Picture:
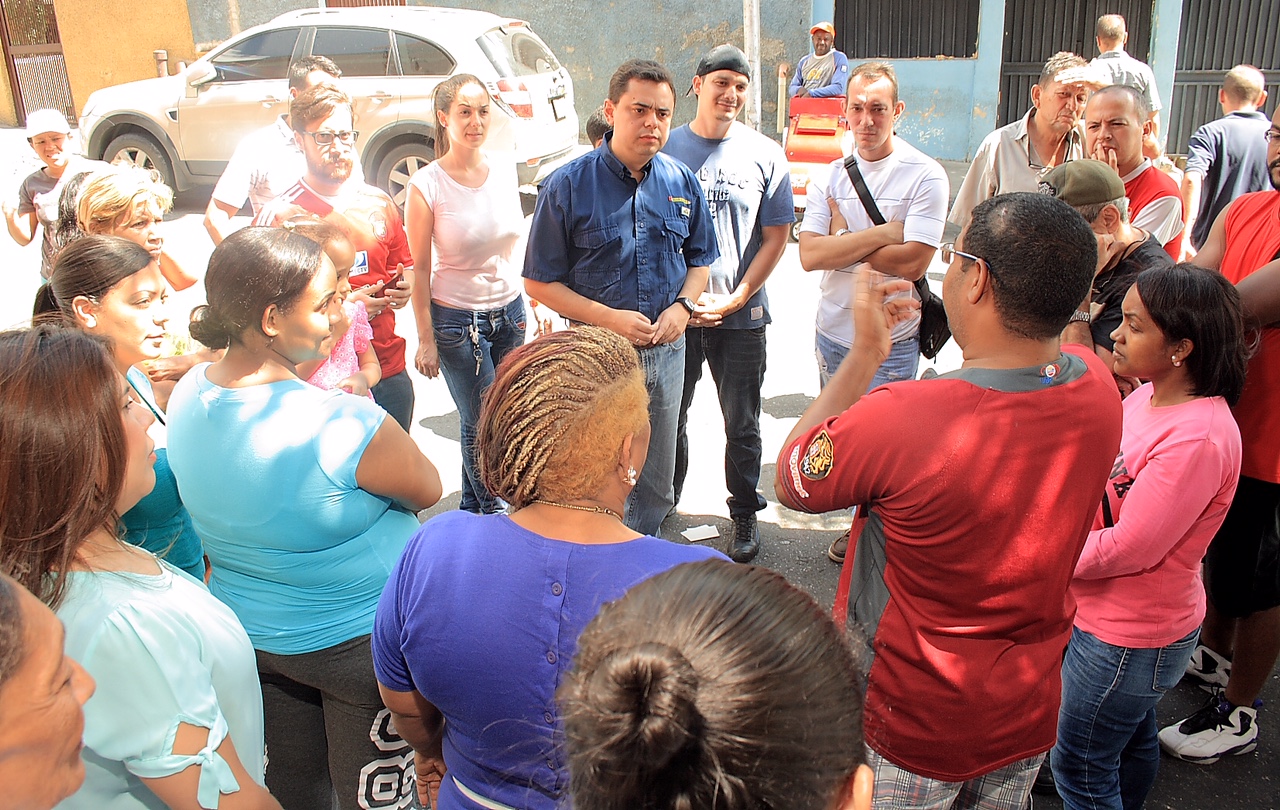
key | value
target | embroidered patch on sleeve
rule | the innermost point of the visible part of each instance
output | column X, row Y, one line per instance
column 793, row 466
column 816, row 464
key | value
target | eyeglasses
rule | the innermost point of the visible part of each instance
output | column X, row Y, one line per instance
column 326, row 138
column 1271, row 135
column 949, row 253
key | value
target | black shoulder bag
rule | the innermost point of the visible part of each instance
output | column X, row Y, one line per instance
column 934, row 329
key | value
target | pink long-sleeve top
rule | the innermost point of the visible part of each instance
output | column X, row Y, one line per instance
column 1137, row 583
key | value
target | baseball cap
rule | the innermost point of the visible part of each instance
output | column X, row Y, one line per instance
column 723, row 57
column 41, row 121
column 1083, row 182
column 823, row 26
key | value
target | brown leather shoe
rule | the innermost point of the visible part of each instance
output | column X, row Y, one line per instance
column 837, row 550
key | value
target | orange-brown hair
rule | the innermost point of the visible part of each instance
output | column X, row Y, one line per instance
column 553, row 421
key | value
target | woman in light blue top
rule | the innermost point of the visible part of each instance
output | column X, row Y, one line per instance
column 112, row 288
column 304, row 499
column 176, row 721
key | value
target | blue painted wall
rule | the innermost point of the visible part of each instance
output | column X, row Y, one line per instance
column 951, row 104
column 1166, row 27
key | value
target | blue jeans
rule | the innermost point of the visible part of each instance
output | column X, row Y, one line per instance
column 654, row 494
column 471, row 344
column 1107, row 752
column 737, row 359
column 395, row 395
column 901, row 364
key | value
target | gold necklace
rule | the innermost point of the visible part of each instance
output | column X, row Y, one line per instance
column 599, row 510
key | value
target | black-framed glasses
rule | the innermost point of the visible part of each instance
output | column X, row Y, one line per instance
column 949, row 252
column 327, row 137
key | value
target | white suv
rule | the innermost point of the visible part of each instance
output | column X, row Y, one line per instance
column 187, row 126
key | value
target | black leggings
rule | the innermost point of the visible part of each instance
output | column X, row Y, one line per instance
column 328, row 733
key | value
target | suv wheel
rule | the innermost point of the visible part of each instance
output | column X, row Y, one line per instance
column 398, row 166
column 134, row 149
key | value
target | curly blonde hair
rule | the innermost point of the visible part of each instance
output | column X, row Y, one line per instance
column 111, row 196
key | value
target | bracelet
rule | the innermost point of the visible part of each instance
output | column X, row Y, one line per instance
column 842, row 232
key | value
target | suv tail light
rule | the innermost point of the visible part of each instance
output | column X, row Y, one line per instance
column 516, row 97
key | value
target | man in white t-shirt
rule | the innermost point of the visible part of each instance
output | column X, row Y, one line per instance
column 267, row 161
column 911, row 191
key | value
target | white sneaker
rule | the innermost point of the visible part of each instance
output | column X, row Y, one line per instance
column 1217, row 730
column 1208, row 670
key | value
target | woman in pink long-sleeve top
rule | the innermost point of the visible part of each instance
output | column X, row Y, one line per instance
column 1137, row 583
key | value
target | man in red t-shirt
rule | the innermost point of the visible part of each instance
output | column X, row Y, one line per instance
column 1240, row 638
column 323, row 126
column 1115, row 121
column 982, row 483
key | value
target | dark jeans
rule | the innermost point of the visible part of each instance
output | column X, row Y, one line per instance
column 470, row 345
column 737, row 360
column 395, row 395
column 328, row 733
column 1107, row 753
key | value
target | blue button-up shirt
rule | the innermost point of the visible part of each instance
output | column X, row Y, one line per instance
column 623, row 244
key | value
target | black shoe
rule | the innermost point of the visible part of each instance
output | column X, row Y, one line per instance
column 745, row 544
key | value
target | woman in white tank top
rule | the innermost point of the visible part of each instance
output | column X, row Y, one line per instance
column 463, row 217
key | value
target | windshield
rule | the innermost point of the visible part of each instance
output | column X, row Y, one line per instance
column 517, row 51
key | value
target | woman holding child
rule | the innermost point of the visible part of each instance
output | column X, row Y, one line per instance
column 305, row 499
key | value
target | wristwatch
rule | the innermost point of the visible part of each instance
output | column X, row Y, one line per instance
column 687, row 302
column 1080, row 316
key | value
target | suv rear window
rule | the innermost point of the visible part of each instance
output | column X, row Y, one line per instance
column 421, row 58
column 357, row 51
column 517, row 52
column 264, row 56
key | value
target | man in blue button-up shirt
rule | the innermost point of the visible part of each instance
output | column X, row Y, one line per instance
column 621, row 238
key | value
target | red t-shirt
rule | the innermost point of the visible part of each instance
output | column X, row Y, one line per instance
column 1253, row 239
column 372, row 222
column 1149, row 186
column 986, row 497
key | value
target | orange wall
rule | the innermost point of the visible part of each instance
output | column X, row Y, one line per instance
column 8, row 112
column 110, row 42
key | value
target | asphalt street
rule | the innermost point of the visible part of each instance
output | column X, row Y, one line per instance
column 794, row 544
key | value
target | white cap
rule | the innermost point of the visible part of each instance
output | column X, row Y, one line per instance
column 41, row 121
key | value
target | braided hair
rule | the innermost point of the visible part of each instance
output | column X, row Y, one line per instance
column 553, row 422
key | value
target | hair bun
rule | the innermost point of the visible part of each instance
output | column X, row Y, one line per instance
column 651, row 691
column 209, row 329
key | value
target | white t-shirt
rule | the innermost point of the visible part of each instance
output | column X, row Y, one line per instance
column 264, row 165
column 474, row 235
column 908, row 187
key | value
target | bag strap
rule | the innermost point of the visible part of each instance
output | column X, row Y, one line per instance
column 864, row 193
column 873, row 211
column 840, row 609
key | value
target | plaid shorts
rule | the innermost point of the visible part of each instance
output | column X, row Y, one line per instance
column 1004, row 789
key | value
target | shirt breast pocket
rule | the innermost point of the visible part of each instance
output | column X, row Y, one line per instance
column 675, row 231
column 599, row 250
